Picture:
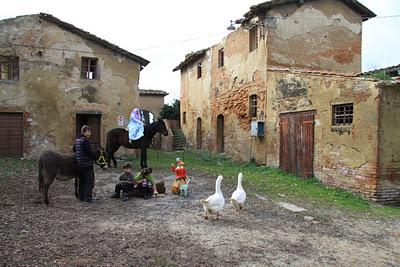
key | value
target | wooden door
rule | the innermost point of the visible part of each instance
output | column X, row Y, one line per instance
column 220, row 134
column 296, row 151
column 11, row 135
column 94, row 122
column 199, row 137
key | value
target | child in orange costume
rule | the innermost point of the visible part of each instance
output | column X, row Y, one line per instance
column 181, row 177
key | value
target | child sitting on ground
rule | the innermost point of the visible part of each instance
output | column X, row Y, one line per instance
column 126, row 182
column 181, row 177
column 144, row 180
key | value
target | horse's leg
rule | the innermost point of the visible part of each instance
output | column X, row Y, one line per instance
column 112, row 152
column 143, row 158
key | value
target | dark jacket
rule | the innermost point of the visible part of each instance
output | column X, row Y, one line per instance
column 126, row 178
column 83, row 152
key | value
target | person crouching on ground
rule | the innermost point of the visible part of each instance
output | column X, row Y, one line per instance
column 126, row 183
column 181, row 177
column 144, row 180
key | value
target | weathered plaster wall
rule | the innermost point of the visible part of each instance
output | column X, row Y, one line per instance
column 152, row 103
column 389, row 145
column 318, row 35
column 242, row 75
column 195, row 100
column 50, row 89
column 344, row 156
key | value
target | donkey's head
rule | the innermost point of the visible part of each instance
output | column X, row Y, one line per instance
column 162, row 127
column 100, row 157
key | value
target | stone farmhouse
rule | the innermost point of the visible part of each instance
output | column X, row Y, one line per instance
column 56, row 77
column 284, row 89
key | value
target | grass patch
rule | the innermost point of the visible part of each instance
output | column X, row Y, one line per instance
column 10, row 167
column 270, row 181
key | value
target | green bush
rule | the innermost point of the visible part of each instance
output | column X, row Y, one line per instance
column 380, row 75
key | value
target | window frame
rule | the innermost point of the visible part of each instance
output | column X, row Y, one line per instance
column 85, row 74
column 11, row 64
column 253, row 106
column 221, row 57
column 184, row 117
column 343, row 114
column 199, row 70
column 253, row 39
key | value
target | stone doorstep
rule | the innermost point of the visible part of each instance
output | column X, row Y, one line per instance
column 291, row 207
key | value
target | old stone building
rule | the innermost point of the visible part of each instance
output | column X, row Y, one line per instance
column 55, row 78
column 284, row 90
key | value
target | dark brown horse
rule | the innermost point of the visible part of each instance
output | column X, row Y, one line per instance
column 118, row 137
column 53, row 165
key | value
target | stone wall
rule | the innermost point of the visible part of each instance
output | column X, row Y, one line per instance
column 319, row 35
column 344, row 156
column 389, row 144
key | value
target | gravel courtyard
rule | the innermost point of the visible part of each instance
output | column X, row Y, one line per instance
column 171, row 230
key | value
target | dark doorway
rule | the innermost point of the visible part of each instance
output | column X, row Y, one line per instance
column 94, row 121
column 296, row 151
column 220, row 133
column 11, row 134
column 199, row 138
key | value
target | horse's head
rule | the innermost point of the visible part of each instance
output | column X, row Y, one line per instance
column 162, row 127
column 100, row 156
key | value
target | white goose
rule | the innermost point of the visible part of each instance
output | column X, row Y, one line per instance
column 216, row 202
column 239, row 195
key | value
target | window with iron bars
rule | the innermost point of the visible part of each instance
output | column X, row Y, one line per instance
column 253, row 106
column 9, row 68
column 342, row 114
column 89, row 68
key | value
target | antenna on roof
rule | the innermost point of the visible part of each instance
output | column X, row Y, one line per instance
column 231, row 27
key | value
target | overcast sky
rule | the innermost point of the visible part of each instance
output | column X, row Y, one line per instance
column 164, row 31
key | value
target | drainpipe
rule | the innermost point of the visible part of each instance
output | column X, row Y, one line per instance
column 265, row 37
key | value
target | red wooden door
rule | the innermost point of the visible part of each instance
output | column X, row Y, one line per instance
column 296, row 151
column 11, row 134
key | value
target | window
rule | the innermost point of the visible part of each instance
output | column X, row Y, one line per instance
column 253, row 106
column 9, row 68
column 198, row 70
column 342, row 114
column 184, row 118
column 89, row 68
column 220, row 58
column 253, row 40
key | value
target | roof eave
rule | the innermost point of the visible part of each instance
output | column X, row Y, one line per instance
column 69, row 27
column 255, row 10
column 191, row 59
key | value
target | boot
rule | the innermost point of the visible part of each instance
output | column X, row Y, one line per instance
column 125, row 197
column 115, row 195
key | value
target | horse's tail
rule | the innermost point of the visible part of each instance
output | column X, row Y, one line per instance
column 40, row 173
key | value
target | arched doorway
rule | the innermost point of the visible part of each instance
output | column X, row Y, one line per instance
column 147, row 116
column 220, row 133
column 199, row 137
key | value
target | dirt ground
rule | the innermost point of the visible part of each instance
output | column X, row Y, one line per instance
column 171, row 230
